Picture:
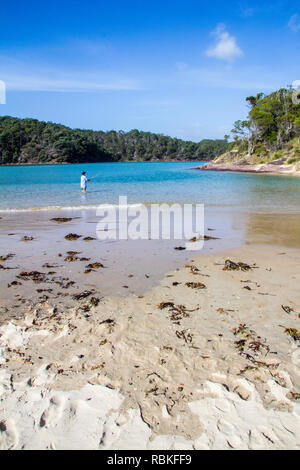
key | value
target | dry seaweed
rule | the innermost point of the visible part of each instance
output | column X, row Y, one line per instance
column 243, row 329
column 203, row 237
column 240, row 344
column 72, row 236
column 253, row 343
column 163, row 305
column 194, row 269
column 292, row 332
column 187, row 337
column 6, row 257
column 224, row 311
column 287, row 309
column 195, row 285
column 100, row 366
column 82, row 295
column 14, row 283
column 89, row 239
column 232, row 266
column 207, row 237
column 258, row 346
column 272, row 366
column 27, row 238
column 178, row 312
column 5, row 268
column 63, row 282
column 108, row 321
column 35, row 276
column 61, row 219
column 71, row 259
column 95, row 265
column 85, row 308
column 94, row 301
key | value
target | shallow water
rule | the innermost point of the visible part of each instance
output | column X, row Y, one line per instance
column 45, row 186
column 241, row 208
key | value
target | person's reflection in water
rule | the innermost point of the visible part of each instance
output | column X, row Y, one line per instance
column 83, row 198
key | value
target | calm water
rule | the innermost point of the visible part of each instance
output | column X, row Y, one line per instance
column 45, row 186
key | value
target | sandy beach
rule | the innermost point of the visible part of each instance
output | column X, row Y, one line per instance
column 274, row 168
column 206, row 358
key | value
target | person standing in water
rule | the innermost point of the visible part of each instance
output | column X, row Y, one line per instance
column 83, row 182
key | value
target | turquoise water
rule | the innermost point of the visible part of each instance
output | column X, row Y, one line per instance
column 48, row 186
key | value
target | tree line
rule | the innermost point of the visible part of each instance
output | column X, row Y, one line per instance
column 33, row 141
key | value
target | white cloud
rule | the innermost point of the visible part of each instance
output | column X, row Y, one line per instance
column 294, row 23
column 226, row 47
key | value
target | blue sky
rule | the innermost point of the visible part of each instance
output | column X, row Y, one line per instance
column 181, row 68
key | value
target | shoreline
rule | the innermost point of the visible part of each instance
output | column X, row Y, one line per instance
column 108, row 161
column 135, row 373
column 263, row 168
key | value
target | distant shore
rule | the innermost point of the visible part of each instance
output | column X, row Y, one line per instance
column 270, row 168
column 108, row 161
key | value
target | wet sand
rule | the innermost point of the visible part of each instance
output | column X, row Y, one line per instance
column 206, row 358
column 129, row 267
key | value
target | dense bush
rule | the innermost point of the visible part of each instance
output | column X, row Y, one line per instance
column 33, row 141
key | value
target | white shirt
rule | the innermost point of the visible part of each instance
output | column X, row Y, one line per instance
column 83, row 181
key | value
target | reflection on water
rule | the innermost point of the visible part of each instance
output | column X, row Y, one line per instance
column 274, row 229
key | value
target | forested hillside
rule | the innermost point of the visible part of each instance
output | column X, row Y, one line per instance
column 33, row 141
column 271, row 132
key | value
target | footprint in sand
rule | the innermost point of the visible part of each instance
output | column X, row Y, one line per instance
column 8, row 434
column 53, row 413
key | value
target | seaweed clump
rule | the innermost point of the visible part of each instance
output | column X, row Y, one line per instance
column 232, row 266
column 72, row 236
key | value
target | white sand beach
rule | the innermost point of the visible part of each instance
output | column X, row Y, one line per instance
column 184, row 366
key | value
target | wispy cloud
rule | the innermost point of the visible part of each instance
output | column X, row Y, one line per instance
column 81, row 84
column 226, row 47
column 294, row 23
column 19, row 76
